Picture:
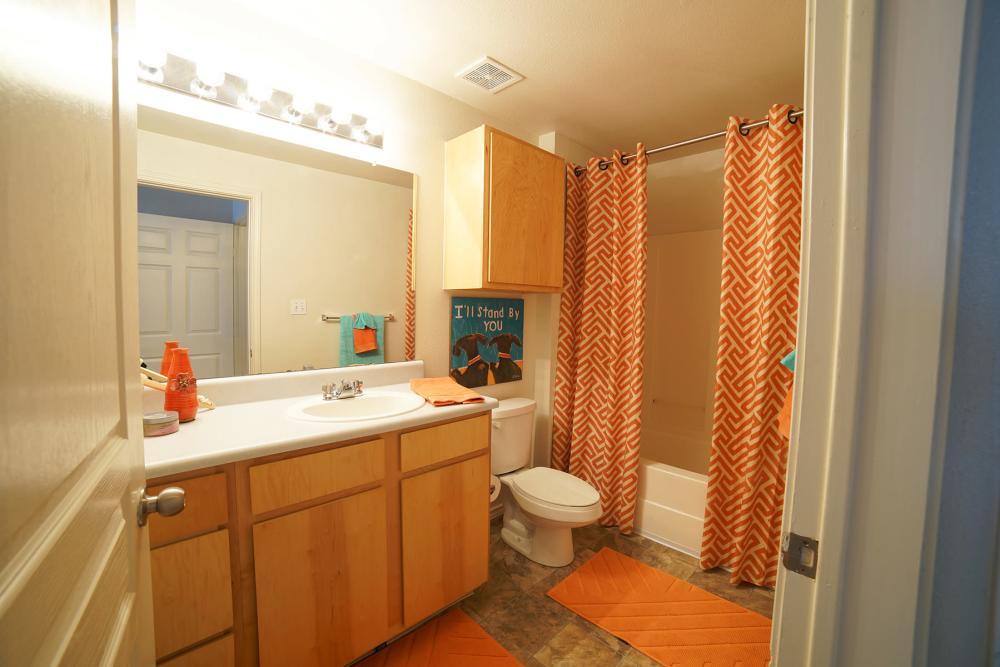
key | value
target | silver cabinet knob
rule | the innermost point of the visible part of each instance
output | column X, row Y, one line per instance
column 168, row 502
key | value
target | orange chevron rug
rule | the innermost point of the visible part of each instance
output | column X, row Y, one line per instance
column 451, row 640
column 668, row 619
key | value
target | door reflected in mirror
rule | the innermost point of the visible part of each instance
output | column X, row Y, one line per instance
column 261, row 256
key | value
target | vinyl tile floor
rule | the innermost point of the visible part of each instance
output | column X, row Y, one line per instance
column 514, row 608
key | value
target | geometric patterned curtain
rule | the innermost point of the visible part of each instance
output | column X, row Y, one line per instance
column 598, row 387
column 761, row 228
column 410, row 314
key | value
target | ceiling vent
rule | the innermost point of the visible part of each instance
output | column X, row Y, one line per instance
column 490, row 75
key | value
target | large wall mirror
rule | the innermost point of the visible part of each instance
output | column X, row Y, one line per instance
column 259, row 256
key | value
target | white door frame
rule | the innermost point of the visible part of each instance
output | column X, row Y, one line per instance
column 882, row 92
column 228, row 191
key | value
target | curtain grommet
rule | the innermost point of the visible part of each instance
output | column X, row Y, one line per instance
column 625, row 160
column 603, row 166
column 744, row 130
column 792, row 119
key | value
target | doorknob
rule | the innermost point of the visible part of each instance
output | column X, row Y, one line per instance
column 168, row 502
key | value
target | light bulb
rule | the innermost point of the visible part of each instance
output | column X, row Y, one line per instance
column 152, row 74
column 358, row 133
column 341, row 117
column 152, row 56
column 304, row 104
column 210, row 74
column 256, row 94
column 259, row 90
column 374, row 127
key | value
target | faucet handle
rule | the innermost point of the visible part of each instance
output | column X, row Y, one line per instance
column 358, row 387
column 330, row 391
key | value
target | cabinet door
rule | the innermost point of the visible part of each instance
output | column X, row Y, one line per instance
column 445, row 522
column 322, row 582
column 526, row 215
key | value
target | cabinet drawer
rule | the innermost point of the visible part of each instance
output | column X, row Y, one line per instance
column 192, row 593
column 218, row 653
column 440, row 443
column 205, row 509
column 301, row 478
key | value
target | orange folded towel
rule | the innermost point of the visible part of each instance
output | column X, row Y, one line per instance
column 365, row 340
column 444, row 391
column 785, row 416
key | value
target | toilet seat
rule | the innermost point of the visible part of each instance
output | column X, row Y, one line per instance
column 555, row 487
column 554, row 496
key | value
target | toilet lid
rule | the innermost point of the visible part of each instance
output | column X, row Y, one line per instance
column 558, row 488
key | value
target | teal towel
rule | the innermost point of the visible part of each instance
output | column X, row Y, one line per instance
column 347, row 355
column 789, row 361
column 365, row 321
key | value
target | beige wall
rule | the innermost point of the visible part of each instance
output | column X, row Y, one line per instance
column 682, row 309
column 337, row 241
column 417, row 122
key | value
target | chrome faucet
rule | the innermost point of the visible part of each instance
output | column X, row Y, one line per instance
column 346, row 389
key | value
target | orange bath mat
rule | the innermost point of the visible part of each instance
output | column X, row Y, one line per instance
column 668, row 619
column 451, row 640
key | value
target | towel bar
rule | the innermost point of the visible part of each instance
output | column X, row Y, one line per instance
column 389, row 317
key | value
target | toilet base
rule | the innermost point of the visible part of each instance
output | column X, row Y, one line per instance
column 550, row 545
column 546, row 545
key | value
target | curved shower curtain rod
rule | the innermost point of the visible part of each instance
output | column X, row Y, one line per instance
column 744, row 130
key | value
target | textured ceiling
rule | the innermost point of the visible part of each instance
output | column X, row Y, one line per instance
column 604, row 73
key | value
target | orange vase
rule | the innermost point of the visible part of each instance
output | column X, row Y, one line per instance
column 168, row 352
column 182, row 386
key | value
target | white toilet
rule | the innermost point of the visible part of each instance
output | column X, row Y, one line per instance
column 541, row 506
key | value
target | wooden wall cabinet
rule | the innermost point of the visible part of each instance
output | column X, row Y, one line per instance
column 316, row 557
column 505, row 203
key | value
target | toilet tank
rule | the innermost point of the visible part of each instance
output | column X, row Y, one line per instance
column 513, row 429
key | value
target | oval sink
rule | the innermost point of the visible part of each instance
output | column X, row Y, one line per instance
column 373, row 404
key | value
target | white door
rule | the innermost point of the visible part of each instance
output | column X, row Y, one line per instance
column 186, row 291
column 74, row 586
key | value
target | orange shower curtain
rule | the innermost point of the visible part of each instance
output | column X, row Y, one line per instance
column 762, row 217
column 410, row 306
column 598, row 392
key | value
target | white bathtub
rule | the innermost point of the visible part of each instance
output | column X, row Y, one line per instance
column 671, row 506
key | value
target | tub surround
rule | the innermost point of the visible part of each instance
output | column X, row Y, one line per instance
column 250, row 419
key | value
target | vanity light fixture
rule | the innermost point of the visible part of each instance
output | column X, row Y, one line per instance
column 209, row 82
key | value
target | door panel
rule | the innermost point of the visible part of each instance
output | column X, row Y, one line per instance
column 71, row 560
column 186, row 291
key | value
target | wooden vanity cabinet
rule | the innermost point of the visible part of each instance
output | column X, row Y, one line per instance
column 504, row 216
column 316, row 557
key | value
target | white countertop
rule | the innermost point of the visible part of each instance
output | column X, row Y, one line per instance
column 248, row 430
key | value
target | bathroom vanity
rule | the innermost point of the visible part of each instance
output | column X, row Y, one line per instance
column 311, row 543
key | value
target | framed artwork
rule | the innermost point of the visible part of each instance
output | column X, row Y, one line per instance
column 487, row 340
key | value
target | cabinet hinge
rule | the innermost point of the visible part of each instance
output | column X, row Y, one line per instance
column 800, row 554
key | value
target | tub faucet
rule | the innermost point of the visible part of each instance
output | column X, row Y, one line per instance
column 346, row 389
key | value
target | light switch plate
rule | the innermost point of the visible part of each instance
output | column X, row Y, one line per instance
column 298, row 307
